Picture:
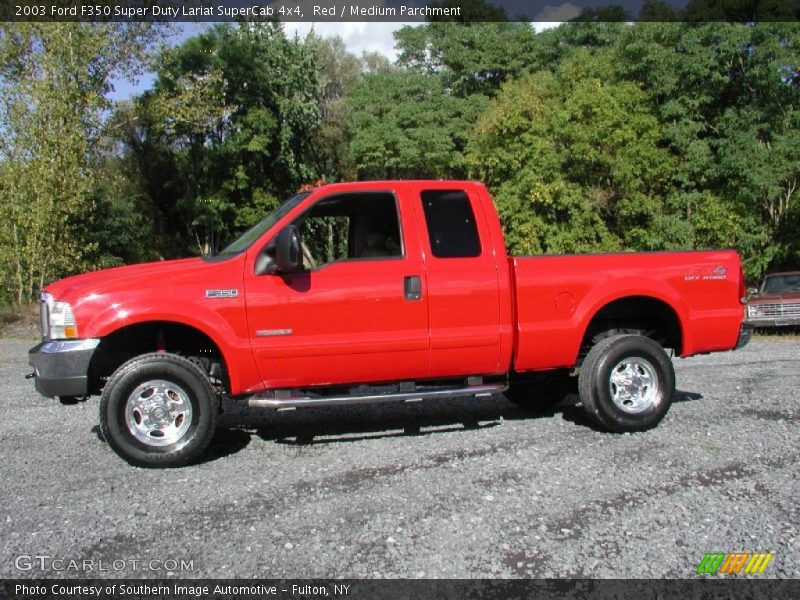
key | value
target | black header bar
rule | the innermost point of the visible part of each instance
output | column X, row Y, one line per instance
column 464, row 11
column 394, row 589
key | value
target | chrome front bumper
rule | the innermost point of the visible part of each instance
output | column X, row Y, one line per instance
column 61, row 367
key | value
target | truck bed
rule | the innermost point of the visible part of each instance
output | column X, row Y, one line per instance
column 556, row 299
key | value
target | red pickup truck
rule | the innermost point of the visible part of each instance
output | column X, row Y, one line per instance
column 378, row 291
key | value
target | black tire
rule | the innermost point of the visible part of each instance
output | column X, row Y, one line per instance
column 158, row 410
column 627, row 383
column 541, row 393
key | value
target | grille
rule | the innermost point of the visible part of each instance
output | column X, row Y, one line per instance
column 778, row 309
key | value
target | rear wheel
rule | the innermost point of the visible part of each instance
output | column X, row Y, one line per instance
column 627, row 383
column 158, row 410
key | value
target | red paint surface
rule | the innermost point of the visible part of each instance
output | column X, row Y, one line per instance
column 350, row 323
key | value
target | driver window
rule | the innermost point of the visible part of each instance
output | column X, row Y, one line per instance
column 350, row 227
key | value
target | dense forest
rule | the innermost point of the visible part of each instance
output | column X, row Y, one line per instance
column 592, row 136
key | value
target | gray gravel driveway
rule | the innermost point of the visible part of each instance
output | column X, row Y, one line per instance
column 457, row 488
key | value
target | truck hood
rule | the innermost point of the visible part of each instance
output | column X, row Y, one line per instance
column 121, row 279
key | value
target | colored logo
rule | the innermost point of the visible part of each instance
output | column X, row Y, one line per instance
column 707, row 273
column 735, row 562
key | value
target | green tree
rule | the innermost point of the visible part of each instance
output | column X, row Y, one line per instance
column 407, row 125
column 338, row 72
column 54, row 78
column 230, row 122
column 572, row 158
column 727, row 97
column 415, row 121
column 123, row 227
column 471, row 58
column 552, row 46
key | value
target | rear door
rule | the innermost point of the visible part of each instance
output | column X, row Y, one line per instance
column 462, row 281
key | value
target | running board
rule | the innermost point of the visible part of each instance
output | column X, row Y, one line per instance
column 290, row 402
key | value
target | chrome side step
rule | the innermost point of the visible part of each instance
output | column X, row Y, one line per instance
column 289, row 402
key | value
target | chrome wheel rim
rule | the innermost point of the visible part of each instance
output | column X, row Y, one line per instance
column 158, row 413
column 634, row 385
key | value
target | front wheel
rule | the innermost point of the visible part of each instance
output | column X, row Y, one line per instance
column 627, row 383
column 158, row 410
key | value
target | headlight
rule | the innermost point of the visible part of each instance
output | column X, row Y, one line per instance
column 58, row 321
column 751, row 311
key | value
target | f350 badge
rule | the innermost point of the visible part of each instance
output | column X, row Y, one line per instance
column 233, row 293
column 706, row 274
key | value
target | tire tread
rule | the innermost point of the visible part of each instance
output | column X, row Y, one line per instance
column 181, row 456
column 588, row 384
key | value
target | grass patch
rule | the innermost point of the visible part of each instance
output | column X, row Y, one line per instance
column 19, row 321
column 777, row 334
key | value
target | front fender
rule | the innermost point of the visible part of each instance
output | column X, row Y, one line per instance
column 223, row 320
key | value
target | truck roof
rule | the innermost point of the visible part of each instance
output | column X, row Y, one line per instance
column 377, row 183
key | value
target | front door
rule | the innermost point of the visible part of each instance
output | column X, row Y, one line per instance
column 358, row 313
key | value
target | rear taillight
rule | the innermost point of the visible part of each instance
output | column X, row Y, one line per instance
column 742, row 286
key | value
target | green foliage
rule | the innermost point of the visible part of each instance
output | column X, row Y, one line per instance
column 338, row 72
column 231, row 119
column 601, row 135
column 53, row 79
column 552, row 46
column 407, row 125
column 473, row 58
column 595, row 135
column 121, row 227
column 727, row 95
column 573, row 160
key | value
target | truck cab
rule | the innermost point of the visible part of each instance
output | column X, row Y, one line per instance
column 402, row 284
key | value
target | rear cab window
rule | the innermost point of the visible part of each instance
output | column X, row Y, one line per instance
column 450, row 221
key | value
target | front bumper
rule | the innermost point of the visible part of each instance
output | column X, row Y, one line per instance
column 61, row 367
column 745, row 333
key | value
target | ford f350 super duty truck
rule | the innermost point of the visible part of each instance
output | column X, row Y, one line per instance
column 375, row 292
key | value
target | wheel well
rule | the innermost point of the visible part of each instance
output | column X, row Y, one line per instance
column 175, row 338
column 653, row 318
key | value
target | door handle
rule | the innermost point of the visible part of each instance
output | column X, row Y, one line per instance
column 412, row 287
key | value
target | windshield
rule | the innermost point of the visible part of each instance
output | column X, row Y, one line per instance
column 256, row 231
column 774, row 284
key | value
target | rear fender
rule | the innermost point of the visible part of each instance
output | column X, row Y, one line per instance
column 654, row 289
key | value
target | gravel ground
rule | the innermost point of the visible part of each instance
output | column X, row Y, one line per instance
column 457, row 488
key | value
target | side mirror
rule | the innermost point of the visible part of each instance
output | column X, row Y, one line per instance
column 288, row 251
column 751, row 291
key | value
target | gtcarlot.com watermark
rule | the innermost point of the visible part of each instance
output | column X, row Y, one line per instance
column 45, row 562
